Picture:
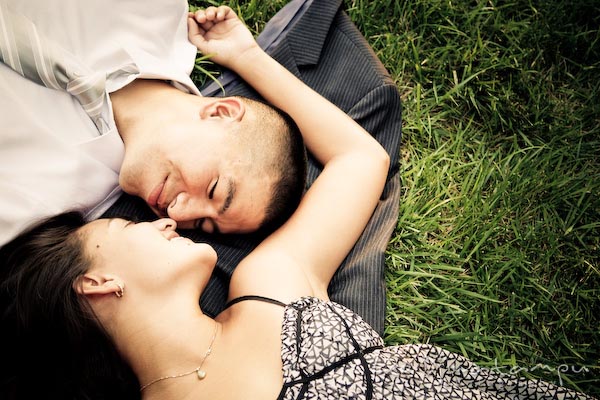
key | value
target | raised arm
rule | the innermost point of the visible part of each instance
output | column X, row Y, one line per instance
column 338, row 205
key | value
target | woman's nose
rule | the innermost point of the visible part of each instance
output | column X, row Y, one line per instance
column 165, row 224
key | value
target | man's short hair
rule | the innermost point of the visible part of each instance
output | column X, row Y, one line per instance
column 276, row 131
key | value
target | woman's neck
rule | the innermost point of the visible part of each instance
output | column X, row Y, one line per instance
column 165, row 343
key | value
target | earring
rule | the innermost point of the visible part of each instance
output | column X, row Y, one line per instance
column 121, row 290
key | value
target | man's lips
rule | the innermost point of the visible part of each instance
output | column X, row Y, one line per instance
column 155, row 194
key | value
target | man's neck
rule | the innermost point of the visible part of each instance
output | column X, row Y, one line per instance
column 137, row 106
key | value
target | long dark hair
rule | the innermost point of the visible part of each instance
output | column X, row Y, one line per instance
column 54, row 346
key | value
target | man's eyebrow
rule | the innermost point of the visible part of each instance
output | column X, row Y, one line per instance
column 229, row 198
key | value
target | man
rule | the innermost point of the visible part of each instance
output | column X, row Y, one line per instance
column 211, row 163
column 318, row 43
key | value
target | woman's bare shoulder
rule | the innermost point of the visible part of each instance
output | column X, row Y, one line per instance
column 271, row 274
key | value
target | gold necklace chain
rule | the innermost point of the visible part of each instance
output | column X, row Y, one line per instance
column 200, row 372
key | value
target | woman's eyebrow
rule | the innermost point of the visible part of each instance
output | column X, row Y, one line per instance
column 123, row 226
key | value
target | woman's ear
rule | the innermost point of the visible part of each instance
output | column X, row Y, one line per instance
column 98, row 284
column 223, row 107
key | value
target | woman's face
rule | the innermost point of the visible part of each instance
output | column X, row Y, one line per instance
column 149, row 255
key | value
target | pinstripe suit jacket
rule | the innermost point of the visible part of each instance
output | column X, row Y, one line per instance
column 326, row 51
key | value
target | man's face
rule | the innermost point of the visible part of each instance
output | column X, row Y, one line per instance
column 198, row 175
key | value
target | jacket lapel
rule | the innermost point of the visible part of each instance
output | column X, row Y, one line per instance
column 303, row 43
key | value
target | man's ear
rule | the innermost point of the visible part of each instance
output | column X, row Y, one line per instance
column 223, row 107
column 98, row 284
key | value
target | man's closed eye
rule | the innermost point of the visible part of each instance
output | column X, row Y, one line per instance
column 211, row 193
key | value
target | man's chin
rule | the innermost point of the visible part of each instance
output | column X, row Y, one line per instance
column 157, row 212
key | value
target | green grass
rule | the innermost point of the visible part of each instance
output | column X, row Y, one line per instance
column 496, row 252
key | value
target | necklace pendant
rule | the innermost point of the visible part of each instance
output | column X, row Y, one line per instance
column 201, row 374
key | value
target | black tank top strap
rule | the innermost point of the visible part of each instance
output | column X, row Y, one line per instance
column 256, row 298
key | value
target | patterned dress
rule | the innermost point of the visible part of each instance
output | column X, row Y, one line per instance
column 329, row 352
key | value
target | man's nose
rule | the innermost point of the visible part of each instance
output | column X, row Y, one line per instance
column 188, row 208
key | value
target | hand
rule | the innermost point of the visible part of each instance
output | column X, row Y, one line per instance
column 220, row 33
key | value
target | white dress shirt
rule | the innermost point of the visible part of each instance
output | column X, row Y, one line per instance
column 52, row 157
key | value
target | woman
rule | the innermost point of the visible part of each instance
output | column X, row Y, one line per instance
column 137, row 285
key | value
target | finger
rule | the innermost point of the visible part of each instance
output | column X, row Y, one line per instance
column 200, row 16
column 193, row 31
column 207, row 25
column 203, row 20
column 211, row 12
column 222, row 12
